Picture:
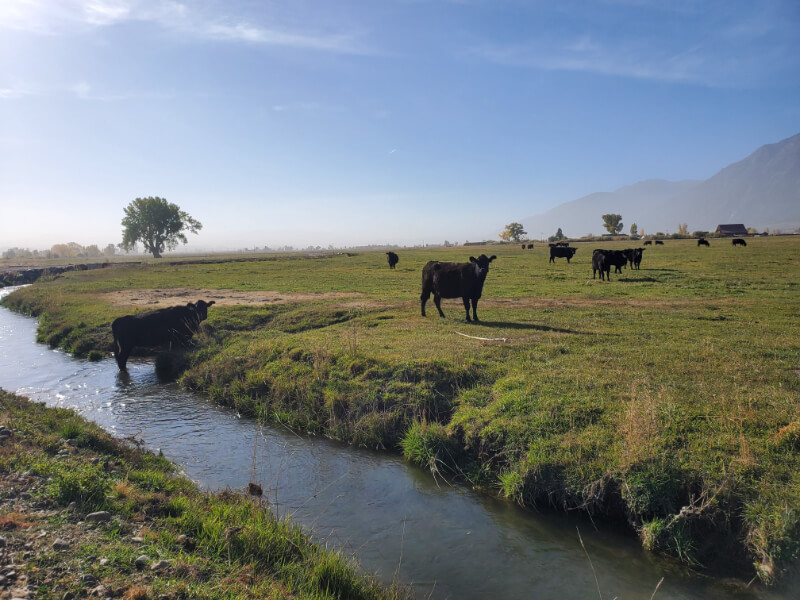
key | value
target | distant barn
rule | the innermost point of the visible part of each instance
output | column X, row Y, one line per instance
column 735, row 229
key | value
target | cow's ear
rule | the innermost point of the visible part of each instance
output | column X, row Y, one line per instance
column 473, row 259
column 492, row 257
column 210, row 303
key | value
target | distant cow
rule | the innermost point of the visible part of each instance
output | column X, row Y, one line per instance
column 703, row 242
column 634, row 256
column 659, row 243
column 562, row 244
column 557, row 251
column 530, row 246
column 455, row 280
column 613, row 258
column 392, row 258
column 738, row 242
column 523, row 246
column 156, row 327
column 648, row 243
column 600, row 264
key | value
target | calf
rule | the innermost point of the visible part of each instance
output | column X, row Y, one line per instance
column 659, row 243
column 156, row 327
column 392, row 259
column 530, row 246
column 648, row 243
column 455, row 280
column 557, row 251
column 703, row 242
column 738, row 242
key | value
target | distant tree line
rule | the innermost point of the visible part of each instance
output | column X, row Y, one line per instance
column 68, row 250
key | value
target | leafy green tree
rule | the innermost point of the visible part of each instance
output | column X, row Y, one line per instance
column 158, row 224
column 513, row 232
column 612, row 223
column 634, row 230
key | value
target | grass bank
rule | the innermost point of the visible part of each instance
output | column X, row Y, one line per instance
column 666, row 397
column 83, row 514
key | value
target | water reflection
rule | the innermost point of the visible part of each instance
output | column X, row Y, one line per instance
column 446, row 541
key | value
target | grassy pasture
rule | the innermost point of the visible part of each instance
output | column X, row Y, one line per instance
column 667, row 397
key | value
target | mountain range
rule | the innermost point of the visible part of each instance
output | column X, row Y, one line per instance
column 761, row 191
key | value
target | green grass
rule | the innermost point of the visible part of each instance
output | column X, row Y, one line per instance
column 667, row 396
column 221, row 545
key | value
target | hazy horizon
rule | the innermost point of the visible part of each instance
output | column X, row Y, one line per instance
column 396, row 122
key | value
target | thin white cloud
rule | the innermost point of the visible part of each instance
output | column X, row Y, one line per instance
column 78, row 16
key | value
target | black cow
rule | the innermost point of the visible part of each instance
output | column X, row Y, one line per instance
column 392, row 258
column 703, row 242
column 738, row 242
column 600, row 264
column 562, row 244
column 523, row 246
column 530, row 246
column 561, row 252
column 659, row 243
column 648, row 243
column 613, row 258
column 455, row 280
column 156, row 327
column 634, row 256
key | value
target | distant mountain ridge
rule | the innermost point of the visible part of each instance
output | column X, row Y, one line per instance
column 761, row 191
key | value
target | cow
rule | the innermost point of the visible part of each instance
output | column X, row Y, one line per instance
column 561, row 252
column 738, row 242
column 523, row 246
column 530, row 246
column 659, row 243
column 562, row 244
column 703, row 242
column 648, row 243
column 613, row 258
column 156, row 327
column 637, row 257
column 634, row 256
column 455, row 280
column 392, row 259
column 600, row 264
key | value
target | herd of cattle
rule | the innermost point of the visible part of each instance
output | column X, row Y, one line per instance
column 178, row 324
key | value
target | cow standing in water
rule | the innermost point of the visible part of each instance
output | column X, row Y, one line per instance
column 156, row 327
column 455, row 280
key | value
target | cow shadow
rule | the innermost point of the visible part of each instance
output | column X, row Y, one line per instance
column 638, row 280
column 527, row 326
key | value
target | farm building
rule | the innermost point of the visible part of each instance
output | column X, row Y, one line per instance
column 735, row 229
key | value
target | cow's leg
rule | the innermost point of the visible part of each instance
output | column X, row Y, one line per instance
column 474, row 310
column 423, row 299
column 437, row 300
column 122, row 355
column 551, row 259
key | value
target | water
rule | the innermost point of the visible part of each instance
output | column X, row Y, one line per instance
column 445, row 541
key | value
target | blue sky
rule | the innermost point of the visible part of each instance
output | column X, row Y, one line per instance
column 372, row 121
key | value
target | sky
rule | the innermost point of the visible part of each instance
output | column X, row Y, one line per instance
column 311, row 122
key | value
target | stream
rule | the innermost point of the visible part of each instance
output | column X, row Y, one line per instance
column 444, row 541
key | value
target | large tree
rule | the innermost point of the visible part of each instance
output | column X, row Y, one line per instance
column 612, row 223
column 158, row 224
column 513, row 232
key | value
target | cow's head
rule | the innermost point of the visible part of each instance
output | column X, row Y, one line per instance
column 201, row 308
column 482, row 263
